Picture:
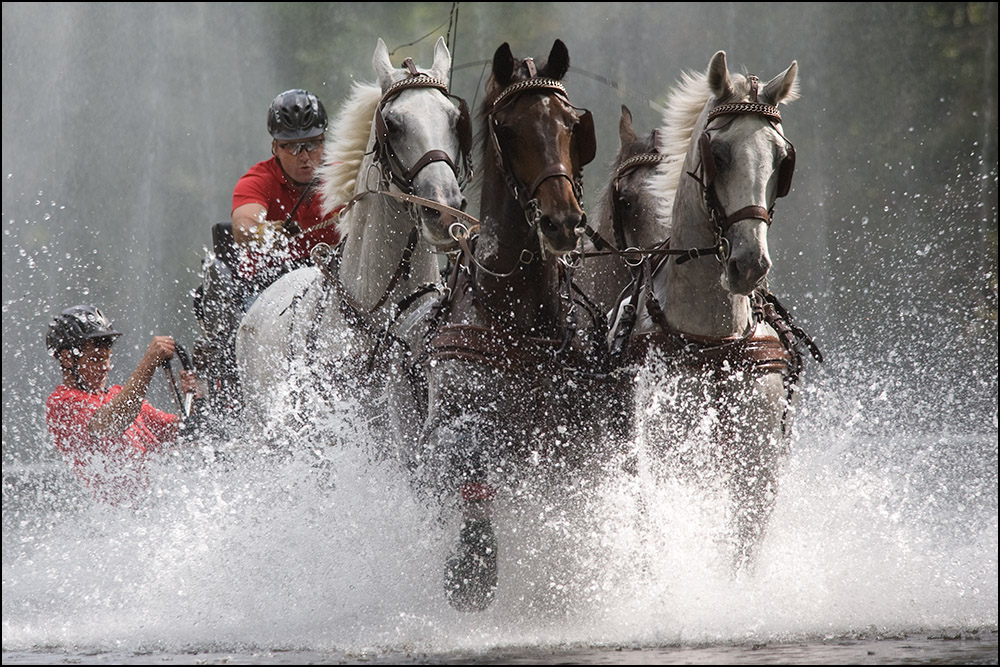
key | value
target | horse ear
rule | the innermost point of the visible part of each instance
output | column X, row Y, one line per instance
column 382, row 65
column 503, row 65
column 718, row 76
column 625, row 132
column 557, row 63
column 784, row 87
column 441, row 69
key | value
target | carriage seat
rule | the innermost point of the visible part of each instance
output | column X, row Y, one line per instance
column 224, row 245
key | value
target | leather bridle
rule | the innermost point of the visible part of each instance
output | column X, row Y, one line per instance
column 391, row 168
column 525, row 194
column 722, row 221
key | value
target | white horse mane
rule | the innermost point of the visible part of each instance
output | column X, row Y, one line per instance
column 685, row 103
column 345, row 148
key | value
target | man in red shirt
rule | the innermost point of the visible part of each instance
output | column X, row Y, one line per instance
column 276, row 201
column 106, row 434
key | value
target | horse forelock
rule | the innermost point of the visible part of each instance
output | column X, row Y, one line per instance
column 741, row 91
column 346, row 145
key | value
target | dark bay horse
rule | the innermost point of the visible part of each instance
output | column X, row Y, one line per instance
column 509, row 347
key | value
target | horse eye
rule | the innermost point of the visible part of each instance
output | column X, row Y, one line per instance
column 391, row 124
column 505, row 133
column 720, row 154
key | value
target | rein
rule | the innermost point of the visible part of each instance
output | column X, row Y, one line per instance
column 292, row 227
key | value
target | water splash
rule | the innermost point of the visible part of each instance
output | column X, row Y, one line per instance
column 252, row 546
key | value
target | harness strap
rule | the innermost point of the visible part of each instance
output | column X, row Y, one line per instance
column 758, row 212
column 402, row 269
column 602, row 245
column 484, row 345
column 436, row 155
column 401, row 196
column 764, row 354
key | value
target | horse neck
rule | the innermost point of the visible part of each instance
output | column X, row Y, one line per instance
column 373, row 250
column 691, row 294
column 530, row 295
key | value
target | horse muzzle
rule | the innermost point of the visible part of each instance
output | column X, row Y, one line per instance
column 560, row 234
column 745, row 272
column 435, row 224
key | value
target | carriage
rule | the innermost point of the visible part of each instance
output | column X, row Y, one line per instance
column 531, row 339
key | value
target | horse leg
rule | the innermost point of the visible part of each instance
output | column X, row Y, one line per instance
column 470, row 576
column 452, row 456
column 752, row 434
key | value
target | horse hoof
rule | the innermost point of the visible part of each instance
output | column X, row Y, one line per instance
column 470, row 574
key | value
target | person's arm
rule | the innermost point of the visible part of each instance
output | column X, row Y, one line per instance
column 249, row 226
column 113, row 419
column 246, row 219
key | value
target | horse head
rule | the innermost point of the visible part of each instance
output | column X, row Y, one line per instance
column 539, row 143
column 746, row 163
column 422, row 137
column 634, row 204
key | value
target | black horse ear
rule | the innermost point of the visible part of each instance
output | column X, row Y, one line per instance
column 503, row 65
column 558, row 62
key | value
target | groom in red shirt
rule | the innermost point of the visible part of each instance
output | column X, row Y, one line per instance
column 106, row 433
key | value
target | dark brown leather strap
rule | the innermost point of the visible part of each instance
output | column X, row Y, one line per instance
column 763, row 354
column 552, row 171
column 487, row 346
column 758, row 212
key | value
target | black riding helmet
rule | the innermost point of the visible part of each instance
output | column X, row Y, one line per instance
column 296, row 114
column 73, row 327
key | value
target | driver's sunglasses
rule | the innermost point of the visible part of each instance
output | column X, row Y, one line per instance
column 296, row 147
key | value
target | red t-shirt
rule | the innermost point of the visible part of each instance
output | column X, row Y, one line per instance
column 113, row 468
column 266, row 184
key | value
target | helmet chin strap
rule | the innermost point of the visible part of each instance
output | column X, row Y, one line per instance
column 74, row 370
